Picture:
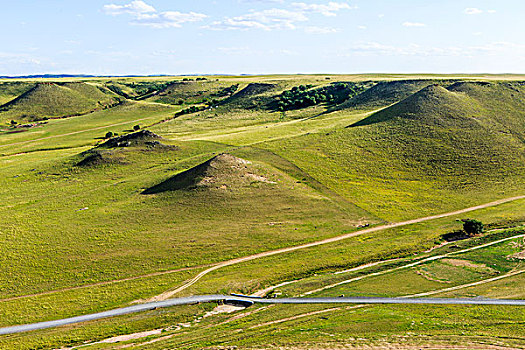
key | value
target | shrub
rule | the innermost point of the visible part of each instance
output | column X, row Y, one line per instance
column 472, row 227
column 136, row 127
column 109, row 135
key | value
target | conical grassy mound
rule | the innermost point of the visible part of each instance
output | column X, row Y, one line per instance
column 220, row 172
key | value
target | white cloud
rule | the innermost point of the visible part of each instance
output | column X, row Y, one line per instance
column 146, row 15
column 370, row 49
column 472, row 11
column 328, row 10
column 361, row 27
column 277, row 18
column 476, row 11
column 133, row 8
column 414, row 24
column 18, row 58
column 173, row 19
column 320, row 30
column 262, row 1
column 245, row 51
column 266, row 20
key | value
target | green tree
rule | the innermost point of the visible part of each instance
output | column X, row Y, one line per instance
column 109, row 135
column 472, row 227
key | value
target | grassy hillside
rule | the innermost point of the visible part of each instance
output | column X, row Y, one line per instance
column 191, row 92
column 11, row 90
column 385, row 93
column 96, row 223
column 423, row 154
column 108, row 229
column 51, row 100
column 84, row 130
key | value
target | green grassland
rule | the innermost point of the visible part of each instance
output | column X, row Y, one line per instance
column 52, row 100
column 90, row 224
column 292, row 327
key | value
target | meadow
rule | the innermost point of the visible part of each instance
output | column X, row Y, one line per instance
column 88, row 226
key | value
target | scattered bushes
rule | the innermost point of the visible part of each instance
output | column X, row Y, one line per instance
column 147, row 87
column 303, row 96
column 227, row 91
column 190, row 110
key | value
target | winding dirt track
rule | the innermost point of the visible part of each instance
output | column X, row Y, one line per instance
column 195, row 279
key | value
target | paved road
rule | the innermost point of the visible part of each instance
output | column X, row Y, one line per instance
column 246, row 301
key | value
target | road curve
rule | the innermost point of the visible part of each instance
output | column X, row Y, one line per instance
column 245, row 300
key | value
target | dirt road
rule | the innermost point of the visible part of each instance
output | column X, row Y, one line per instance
column 169, row 294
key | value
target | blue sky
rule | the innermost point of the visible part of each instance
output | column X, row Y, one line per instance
column 261, row 36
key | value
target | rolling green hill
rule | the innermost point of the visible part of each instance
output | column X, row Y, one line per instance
column 52, row 100
column 11, row 90
column 91, row 223
column 385, row 93
column 425, row 152
column 192, row 92
column 253, row 95
column 446, row 132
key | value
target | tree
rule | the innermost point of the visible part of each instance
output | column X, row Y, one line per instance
column 472, row 227
column 136, row 127
column 109, row 135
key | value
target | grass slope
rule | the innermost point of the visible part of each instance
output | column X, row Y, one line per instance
column 427, row 153
column 11, row 90
column 385, row 93
column 48, row 100
column 191, row 92
column 261, row 181
column 107, row 229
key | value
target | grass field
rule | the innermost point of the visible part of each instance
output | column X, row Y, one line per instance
column 88, row 226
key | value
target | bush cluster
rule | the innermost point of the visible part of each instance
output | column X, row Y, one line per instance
column 190, row 110
column 472, row 227
column 227, row 91
column 147, row 87
column 304, row 96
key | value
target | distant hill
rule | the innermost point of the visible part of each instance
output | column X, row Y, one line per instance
column 433, row 104
column 190, row 92
column 50, row 76
column 48, row 100
column 385, row 93
column 253, row 95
